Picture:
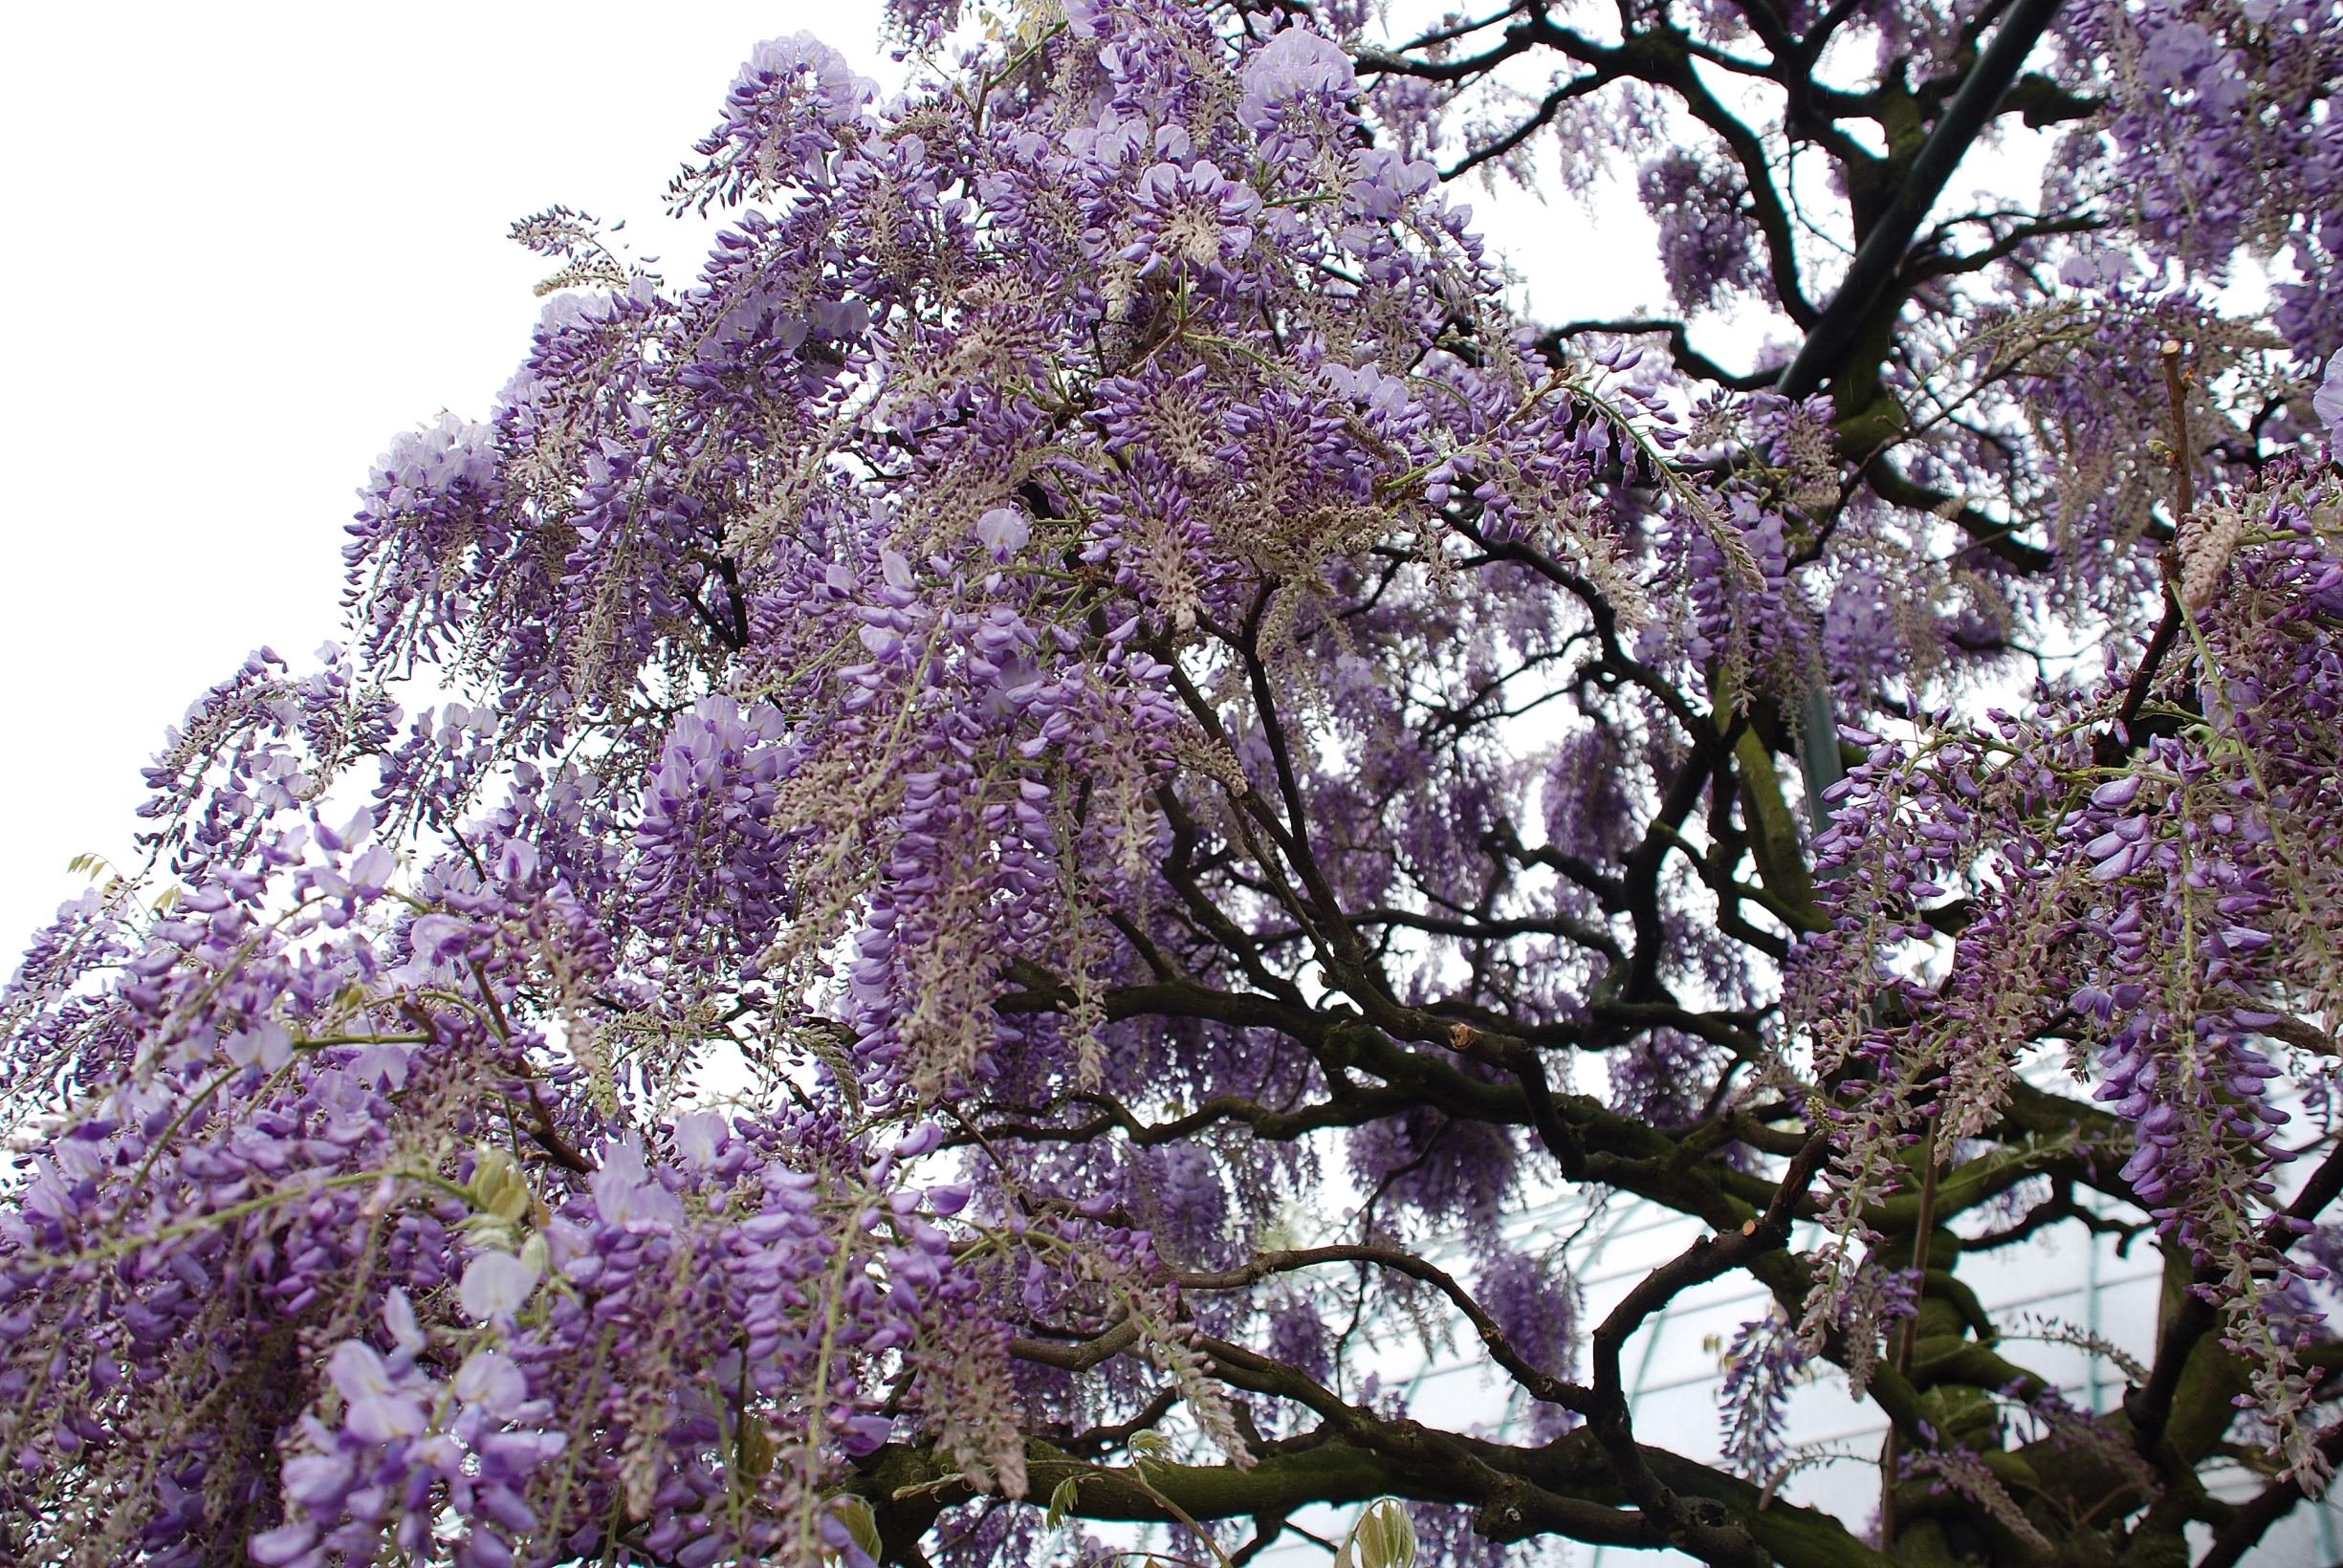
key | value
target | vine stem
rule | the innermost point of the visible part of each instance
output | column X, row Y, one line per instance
column 1908, row 1335
column 2112, row 746
column 2176, row 392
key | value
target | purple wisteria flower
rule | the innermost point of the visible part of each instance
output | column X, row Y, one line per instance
column 1194, row 219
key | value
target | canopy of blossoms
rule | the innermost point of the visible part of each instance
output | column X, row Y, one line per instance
column 941, row 857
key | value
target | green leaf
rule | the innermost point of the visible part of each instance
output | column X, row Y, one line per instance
column 756, row 1451
column 1063, row 1500
column 1383, row 1538
column 861, row 1523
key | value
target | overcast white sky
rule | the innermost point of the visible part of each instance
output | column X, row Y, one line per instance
column 247, row 244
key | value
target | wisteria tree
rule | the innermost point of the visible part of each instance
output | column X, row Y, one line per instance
column 1038, row 802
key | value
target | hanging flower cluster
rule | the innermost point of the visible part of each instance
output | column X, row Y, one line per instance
column 2148, row 872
